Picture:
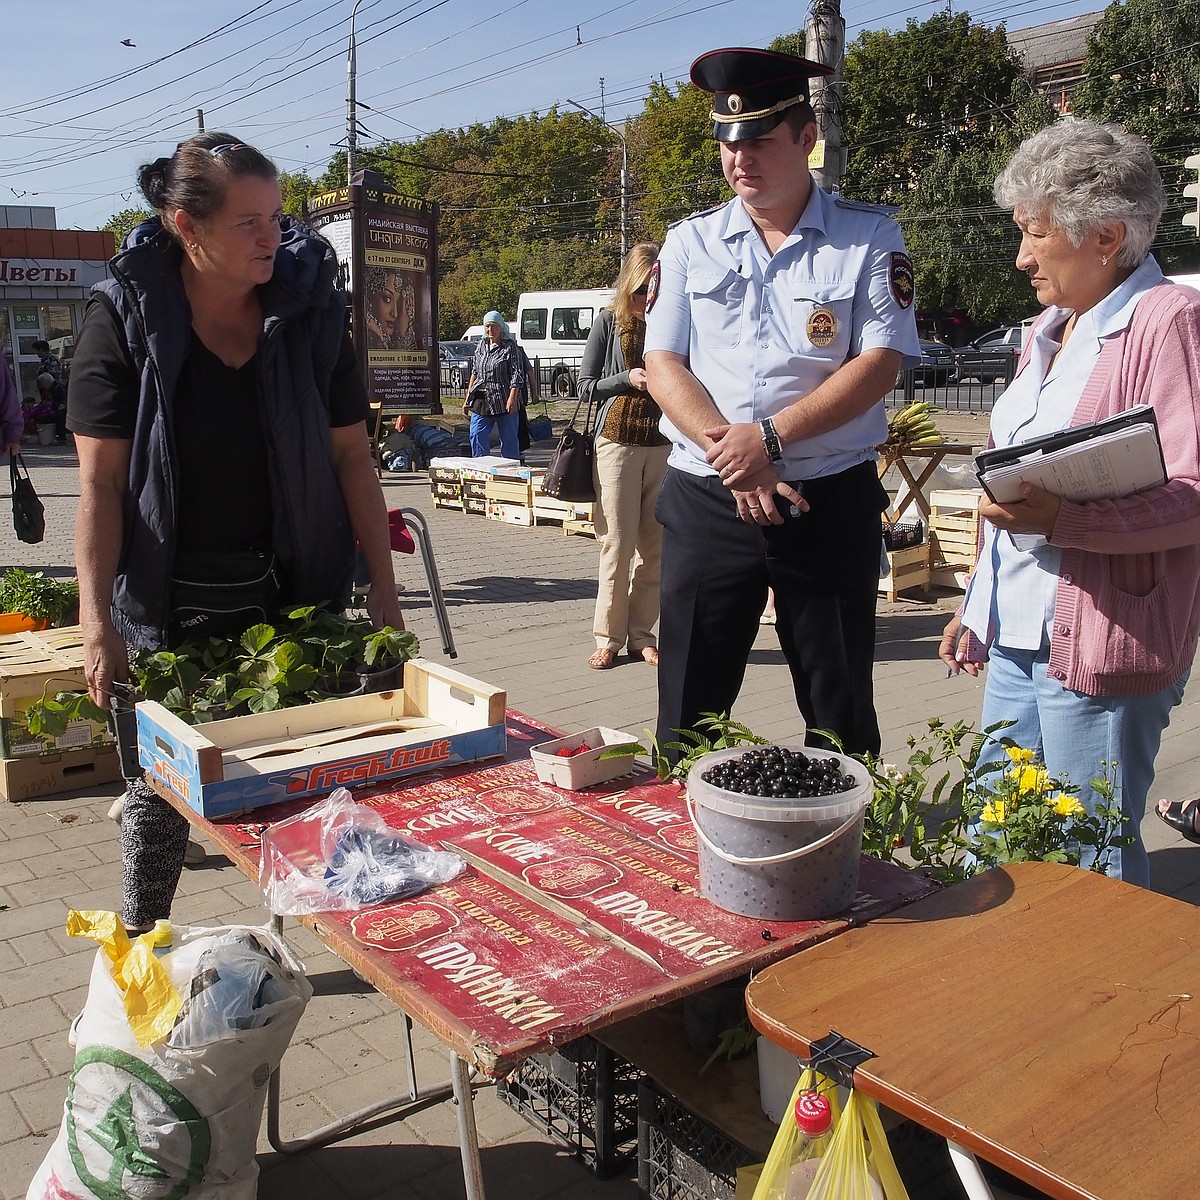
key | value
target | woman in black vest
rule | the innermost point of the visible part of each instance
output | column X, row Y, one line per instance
column 219, row 417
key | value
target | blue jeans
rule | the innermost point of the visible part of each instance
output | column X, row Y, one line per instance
column 1072, row 733
column 481, row 435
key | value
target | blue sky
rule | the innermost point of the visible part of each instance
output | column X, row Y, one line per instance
column 79, row 111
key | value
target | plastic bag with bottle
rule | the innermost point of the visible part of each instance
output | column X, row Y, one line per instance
column 824, row 1150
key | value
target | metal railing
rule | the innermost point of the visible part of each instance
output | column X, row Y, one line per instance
column 559, row 379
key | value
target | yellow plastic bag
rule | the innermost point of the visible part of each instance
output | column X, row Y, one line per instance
column 150, row 999
column 858, row 1164
column 789, row 1141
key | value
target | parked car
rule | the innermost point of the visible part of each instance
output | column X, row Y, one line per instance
column 937, row 364
column 456, row 358
column 991, row 357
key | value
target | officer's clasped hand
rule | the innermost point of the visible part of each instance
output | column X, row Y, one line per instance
column 737, row 450
column 763, row 499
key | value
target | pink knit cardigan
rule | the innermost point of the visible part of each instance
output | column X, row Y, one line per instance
column 1127, row 606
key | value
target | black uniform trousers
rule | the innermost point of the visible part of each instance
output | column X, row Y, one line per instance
column 824, row 568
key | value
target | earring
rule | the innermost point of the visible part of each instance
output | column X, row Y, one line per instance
column 1104, row 260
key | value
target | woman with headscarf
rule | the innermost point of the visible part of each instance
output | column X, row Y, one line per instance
column 1087, row 614
column 494, row 390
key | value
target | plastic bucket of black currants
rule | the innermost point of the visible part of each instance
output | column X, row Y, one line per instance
column 779, row 830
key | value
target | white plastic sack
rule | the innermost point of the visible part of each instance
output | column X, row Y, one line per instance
column 338, row 856
column 181, row 1116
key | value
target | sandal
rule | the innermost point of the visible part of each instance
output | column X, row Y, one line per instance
column 648, row 654
column 603, row 660
column 1181, row 816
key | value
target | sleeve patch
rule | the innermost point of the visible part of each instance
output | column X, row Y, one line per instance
column 902, row 280
column 652, row 286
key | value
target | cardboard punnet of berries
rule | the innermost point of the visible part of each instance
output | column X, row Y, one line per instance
column 578, row 760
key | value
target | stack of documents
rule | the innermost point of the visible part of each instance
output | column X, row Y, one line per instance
column 1101, row 461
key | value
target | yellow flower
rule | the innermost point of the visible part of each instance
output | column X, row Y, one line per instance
column 1029, row 779
column 1019, row 755
column 995, row 811
column 1066, row 806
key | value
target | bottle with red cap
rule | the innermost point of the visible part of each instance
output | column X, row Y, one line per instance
column 814, row 1118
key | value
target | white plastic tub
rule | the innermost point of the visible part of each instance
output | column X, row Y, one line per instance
column 785, row 859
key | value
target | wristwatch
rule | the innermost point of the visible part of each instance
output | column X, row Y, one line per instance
column 771, row 443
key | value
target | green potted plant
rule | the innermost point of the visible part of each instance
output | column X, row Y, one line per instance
column 288, row 662
column 33, row 600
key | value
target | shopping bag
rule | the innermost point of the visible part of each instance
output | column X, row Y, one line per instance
column 569, row 473
column 790, row 1145
column 173, row 1051
column 858, row 1164
column 29, row 514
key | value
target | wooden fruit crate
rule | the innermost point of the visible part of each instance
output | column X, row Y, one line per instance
column 907, row 569
column 510, row 514
column 60, row 771
column 510, row 491
column 35, row 665
column 580, row 525
column 953, row 534
column 441, row 717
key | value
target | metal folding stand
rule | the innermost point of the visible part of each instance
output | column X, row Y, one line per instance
column 836, row 1057
column 460, row 1087
column 414, row 519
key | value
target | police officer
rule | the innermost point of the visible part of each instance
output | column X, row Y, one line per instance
column 776, row 324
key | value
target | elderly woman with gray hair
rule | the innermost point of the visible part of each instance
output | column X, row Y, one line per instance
column 1087, row 614
column 494, row 390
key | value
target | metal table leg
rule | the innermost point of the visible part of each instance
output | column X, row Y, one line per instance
column 468, row 1133
column 974, row 1184
column 460, row 1087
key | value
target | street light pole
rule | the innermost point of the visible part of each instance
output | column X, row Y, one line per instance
column 624, row 174
column 351, row 114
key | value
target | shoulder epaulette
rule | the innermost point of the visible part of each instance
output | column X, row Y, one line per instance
column 702, row 213
column 880, row 210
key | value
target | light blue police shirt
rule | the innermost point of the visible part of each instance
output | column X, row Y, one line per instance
column 1011, row 595
column 762, row 330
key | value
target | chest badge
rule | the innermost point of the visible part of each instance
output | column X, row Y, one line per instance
column 821, row 326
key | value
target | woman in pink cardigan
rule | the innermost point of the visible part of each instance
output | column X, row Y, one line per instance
column 1087, row 614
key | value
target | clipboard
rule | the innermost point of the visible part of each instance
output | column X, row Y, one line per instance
column 1103, row 460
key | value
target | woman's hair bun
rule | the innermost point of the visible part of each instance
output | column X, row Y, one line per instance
column 152, row 180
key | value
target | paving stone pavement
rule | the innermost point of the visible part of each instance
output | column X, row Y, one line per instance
column 520, row 602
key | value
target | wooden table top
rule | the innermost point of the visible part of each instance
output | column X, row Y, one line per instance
column 577, row 909
column 1039, row 1015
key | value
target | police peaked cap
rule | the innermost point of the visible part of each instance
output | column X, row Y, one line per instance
column 752, row 89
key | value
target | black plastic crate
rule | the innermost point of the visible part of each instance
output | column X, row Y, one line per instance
column 584, row 1096
column 681, row 1156
column 900, row 535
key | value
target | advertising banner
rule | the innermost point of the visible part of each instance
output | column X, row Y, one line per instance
column 387, row 248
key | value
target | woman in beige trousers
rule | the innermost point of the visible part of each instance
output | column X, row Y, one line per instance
column 630, row 461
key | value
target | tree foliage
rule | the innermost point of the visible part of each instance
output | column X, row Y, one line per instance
column 678, row 163
column 931, row 113
column 962, row 246
column 296, row 188
column 936, row 87
column 1143, row 72
column 123, row 223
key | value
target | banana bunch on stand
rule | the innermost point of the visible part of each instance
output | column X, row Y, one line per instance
column 910, row 428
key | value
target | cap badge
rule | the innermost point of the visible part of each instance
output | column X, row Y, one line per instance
column 821, row 326
column 734, row 103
